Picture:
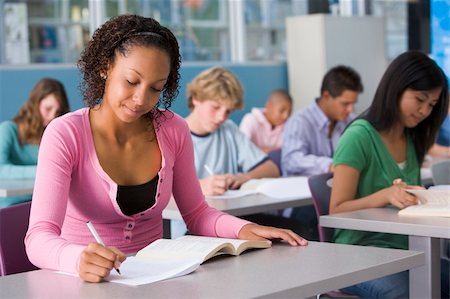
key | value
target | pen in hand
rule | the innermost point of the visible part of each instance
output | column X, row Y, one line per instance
column 208, row 170
column 97, row 238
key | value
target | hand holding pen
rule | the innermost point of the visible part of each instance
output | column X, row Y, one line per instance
column 96, row 260
column 214, row 184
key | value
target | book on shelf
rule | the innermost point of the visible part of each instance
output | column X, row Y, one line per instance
column 285, row 188
column 169, row 258
column 431, row 202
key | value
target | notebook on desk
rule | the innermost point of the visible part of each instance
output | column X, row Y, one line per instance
column 283, row 188
column 432, row 202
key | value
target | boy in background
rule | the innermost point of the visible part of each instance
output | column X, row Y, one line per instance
column 224, row 157
column 312, row 134
column 264, row 126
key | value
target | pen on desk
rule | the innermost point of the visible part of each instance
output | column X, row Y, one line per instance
column 210, row 172
column 97, row 237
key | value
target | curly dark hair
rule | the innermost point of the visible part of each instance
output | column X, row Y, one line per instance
column 118, row 35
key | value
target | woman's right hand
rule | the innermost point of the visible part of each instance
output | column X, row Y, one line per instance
column 215, row 184
column 97, row 261
column 397, row 195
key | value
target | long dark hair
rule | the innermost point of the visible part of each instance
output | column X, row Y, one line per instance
column 411, row 70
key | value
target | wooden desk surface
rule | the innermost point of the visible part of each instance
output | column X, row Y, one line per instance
column 281, row 271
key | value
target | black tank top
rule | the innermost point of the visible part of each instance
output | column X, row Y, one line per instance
column 137, row 198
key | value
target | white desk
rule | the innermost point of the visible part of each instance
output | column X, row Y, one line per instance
column 16, row 187
column 424, row 234
column 278, row 272
column 251, row 204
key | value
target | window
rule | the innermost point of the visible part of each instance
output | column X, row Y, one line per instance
column 56, row 31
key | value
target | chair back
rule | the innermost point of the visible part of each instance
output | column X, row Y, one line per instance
column 275, row 156
column 440, row 172
column 13, row 227
column 320, row 187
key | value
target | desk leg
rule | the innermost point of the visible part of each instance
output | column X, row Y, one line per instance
column 166, row 229
column 425, row 281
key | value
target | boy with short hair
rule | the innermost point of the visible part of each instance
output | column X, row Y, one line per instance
column 224, row 157
column 311, row 135
column 264, row 126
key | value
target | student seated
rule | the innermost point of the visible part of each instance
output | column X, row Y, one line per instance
column 380, row 153
column 311, row 134
column 20, row 137
column 264, row 126
column 224, row 157
column 117, row 162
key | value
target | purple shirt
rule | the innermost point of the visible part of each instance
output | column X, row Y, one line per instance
column 307, row 150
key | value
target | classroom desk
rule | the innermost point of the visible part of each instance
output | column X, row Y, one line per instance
column 16, row 187
column 246, row 205
column 424, row 235
column 250, row 204
column 278, row 272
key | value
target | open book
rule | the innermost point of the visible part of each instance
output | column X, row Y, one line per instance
column 168, row 258
column 432, row 202
column 285, row 188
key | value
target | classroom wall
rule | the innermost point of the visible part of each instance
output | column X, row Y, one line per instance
column 258, row 80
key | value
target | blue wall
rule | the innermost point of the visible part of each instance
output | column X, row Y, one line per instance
column 258, row 80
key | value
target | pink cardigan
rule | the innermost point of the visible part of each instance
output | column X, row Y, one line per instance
column 71, row 188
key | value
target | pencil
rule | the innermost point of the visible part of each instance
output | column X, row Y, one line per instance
column 97, row 237
column 210, row 172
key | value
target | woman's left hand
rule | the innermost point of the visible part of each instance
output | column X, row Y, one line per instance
column 253, row 231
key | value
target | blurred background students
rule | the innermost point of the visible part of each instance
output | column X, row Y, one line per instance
column 264, row 126
column 224, row 157
column 20, row 137
column 312, row 134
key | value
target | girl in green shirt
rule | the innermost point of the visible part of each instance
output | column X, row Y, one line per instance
column 380, row 153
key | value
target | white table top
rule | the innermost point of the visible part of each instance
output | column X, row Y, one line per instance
column 281, row 271
column 382, row 220
column 255, row 203
column 251, row 204
column 16, row 187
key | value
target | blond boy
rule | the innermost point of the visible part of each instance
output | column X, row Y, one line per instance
column 224, row 157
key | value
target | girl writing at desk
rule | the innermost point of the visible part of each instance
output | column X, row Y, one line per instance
column 117, row 162
column 380, row 153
